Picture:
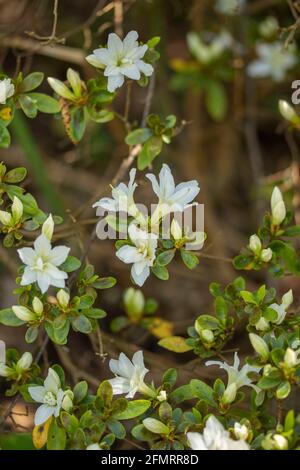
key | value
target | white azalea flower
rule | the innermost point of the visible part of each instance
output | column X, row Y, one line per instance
column 121, row 59
column 50, row 395
column 236, row 378
column 207, row 52
column 277, row 206
column 129, row 375
column 171, row 198
column 281, row 309
column 42, row 263
column 7, row 90
column 193, row 240
column 122, row 198
column 142, row 254
column 214, row 437
column 273, row 61
column 229, row 7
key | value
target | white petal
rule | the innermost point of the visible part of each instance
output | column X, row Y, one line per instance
column 115, row 82
column 154, row 182
column 195, row 441
column 130, row 71
column 58, row 282
column 125, row 365
column 29, row 277
column 52, row 381
column 42, row 414
column 145, row 68
column 130, row 41
column 119, row 385
column 27, row 255
column 102, row 56
column 112, row 70
column 258, row 69
column 37, row 393
column 43, row 281
column 59, row 255
column 128, row 254
column 114, row 46
column 141, row 278
column 42, row 246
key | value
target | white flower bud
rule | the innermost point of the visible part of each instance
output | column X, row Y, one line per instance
column 134, row 302
column 280, row 442
column 17, row 209
column 23, row 313
column 75, row 81
column 63, row 298
column 266, row 255
column 25, row 361
column 241, row 431
column 48, row 227
column 255, row 244
column 5, row 218
column 287, row 299
column 287, row 111
column 259, row 345
column 37, row 306
column 5, row 371
column 176, row 230
column 229, row 394
column 262, row 324
column 290, row 358
column 278, row 207
column 67, row 403
column 207, row 336
column 61, row 89
column 162, row 396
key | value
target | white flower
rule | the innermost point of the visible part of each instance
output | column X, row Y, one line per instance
column 214, row 437
column 229, row 7
column 273, row 61
column 277, row 207
column 236, row 378
column 162, row 396
column 25, row 361
column 134, row 302
column 269, row 27
column 241, row 431
column 121, row 59
column 255, row 244
column 50, row 395
column 142, row 254
column 48, row 227
column 193, row 240
column 291, row 358
column 129, row 374
column 7, row 89
column 122, row 198
column 208, row 52
column 42, row 264
column 16, row 213
column 171, row 198
column 286, row 301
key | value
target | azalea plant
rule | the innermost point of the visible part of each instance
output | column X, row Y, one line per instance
column 237, row 396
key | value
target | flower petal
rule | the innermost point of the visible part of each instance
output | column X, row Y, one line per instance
column 59, row 255
column 52, row 381
column 42, row 414
column 27, row 255
column 37, row 393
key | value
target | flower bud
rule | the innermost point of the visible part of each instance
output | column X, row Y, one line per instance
column 162, row 396
column 5, row 218
column 259, row 345
column 61, row 89
column 278, row 207
column 229, row 394
column 262, row 324
column 176, row 230
column 241, row 431
column 17, row 209
column 207, row 336
column 287, row 299
column 5, row 371
column 2, row 351
column 67, row 403
column 290, row 358
column 255, row 244
column 75, row 81
column 48, row 227
column 280, row 442
column 288, row 112
column 269, row 27
column 134, row 302
column 23, row 313
column 37, row 306
column 25, row 361
column 266, row 255
column 63, row 298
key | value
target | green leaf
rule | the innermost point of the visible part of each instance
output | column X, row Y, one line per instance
column 118, row 323
column 248, row 297
column 82, row 324
column 149, row 151
column 242, row 261
column 138, row 136
column 86, row 301
column 289, row 421
column 28, row 106
column 175, row 343
column 32, row 81
column 189, row 259
column 45, row 103
column 71, row 264
column 288, row 254
column 208, row 322
column 16, row 175
column 96, row 313
column 80, row 391
column 268, row 382
column 56, row 437
column 116, row 428
column 4, row 137
column 216, row 100
column 170, row 377
column 156, row 426
column 165, row 257
column 8, row 318
column 221, row 308
column 134, row 408
column 16, row 441
column 293, row 231
column 101, row 116
column 203, row 391
column 31, row 334
column 153, row 42
column 69, row 422
column 77, row 124
column 105, row 391
column 104, row 283
column 283, row 390
column 161, row 272
column 181, row 394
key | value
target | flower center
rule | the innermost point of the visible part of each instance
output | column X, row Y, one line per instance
column 50, row 399
column 39, row 265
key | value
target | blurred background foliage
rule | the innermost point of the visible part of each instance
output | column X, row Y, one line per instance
column 233, row 141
